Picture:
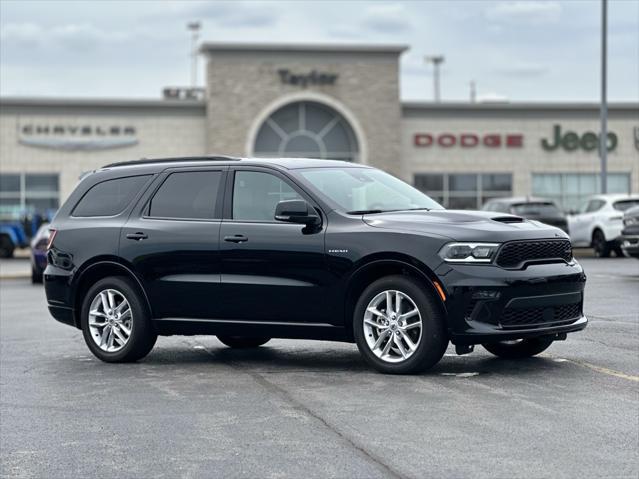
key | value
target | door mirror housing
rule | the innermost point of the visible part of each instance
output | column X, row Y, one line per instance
column 297, row 211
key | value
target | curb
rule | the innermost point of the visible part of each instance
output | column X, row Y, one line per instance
column 15, row 276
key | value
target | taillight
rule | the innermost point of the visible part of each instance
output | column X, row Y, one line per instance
column 52, row 234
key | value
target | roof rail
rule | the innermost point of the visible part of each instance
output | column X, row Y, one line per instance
column 145, row 161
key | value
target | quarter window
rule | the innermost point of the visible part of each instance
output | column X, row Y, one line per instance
column 187, row 195
column 109, row 197
column 256, row 194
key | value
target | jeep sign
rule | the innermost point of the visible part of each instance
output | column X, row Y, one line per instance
column 571, row 141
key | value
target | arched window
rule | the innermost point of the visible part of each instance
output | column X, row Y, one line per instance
column 306, row 130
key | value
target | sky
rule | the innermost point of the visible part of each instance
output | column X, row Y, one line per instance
column 541, row 50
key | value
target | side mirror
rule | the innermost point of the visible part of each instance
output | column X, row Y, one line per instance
column 296, row 211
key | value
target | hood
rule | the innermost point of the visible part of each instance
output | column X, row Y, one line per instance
column 486, row 226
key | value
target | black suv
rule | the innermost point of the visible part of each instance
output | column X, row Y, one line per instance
column 251, row 249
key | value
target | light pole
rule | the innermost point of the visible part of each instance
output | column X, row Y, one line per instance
column 603, row 137
column 194, row 28
column 436, row 60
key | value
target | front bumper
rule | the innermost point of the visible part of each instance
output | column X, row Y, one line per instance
column 630, row 245
column 486, row 303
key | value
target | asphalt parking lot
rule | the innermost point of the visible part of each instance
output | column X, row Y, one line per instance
column 195, row 408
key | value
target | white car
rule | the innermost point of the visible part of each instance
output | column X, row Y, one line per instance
column 599, row 223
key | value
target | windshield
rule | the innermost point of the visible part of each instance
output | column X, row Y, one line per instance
column 359, row 190
column 623, row 205
column 536, row 209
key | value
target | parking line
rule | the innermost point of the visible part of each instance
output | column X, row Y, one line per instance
column 601, row 369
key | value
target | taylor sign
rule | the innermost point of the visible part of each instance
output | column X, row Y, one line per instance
column 77, row 137
column 469, row 140
column 306, row 79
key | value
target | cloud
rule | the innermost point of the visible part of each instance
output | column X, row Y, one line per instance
column 387, row 18
column 532, row 12
column 234, row 14
column 523, row 69
column 71, row 36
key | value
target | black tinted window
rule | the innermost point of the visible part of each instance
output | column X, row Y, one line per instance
column 109, row 197
column 191, row 194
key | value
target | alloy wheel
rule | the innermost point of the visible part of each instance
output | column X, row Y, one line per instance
column 110, row 320
column 392, row 326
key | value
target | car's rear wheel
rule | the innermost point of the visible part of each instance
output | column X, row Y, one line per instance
column 241, row 342
column 6, row 247
column 600, row 245
column 519, row 348
column 115, row 321
column 399, row 327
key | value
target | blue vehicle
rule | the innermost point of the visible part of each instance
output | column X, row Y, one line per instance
column 17, row 227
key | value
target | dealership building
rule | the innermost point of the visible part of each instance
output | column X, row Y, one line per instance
column 326, row 101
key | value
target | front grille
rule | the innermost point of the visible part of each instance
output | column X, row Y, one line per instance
column 515, row 254
column 522, row 317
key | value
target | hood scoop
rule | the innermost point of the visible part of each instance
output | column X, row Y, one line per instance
column 508, row 219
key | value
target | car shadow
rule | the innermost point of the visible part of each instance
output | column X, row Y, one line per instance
column 275, row 359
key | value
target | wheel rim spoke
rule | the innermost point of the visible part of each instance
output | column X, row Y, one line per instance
column 386, row 329
column 110, row 320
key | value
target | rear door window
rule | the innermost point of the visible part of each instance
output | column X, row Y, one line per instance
column 187, row 195
column 109, row 197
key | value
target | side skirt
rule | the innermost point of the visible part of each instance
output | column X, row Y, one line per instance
column 271, row 329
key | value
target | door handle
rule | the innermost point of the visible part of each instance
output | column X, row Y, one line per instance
column 137, row 236
column 236, row 239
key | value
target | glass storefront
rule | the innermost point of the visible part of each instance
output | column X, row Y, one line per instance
column 29, row 191
column 464, row 191
column 570, row 190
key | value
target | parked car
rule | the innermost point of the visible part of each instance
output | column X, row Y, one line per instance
column 39, row 253
column 630, row 232
column 599, row 222
column 539, row 209
column 251, row 249
column 16, row 229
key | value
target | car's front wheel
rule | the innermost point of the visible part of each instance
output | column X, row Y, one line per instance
column 519, row 348
column 115, row 321
column 398, row 326
column 242, row 342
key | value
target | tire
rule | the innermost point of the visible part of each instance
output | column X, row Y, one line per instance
column 6, row 247
column 241, row 342
column 600, row 245
column 142, row 336
column 36, row 275
column 382, row 338
column 522, row 348
column 618, row 251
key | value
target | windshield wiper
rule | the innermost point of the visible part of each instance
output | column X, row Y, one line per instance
column 364, row 212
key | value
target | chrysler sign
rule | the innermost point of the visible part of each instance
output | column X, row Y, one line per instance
column 77, row 137
column 469, row 140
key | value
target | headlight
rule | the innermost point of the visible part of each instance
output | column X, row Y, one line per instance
column 469, row 252
column 630, row 221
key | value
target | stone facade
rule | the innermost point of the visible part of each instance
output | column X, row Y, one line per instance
column 534, row 123
column 245, row 85
column 161, row 130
